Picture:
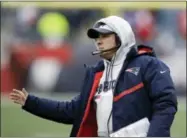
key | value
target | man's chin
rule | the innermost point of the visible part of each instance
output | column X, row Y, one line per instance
column 106, row 55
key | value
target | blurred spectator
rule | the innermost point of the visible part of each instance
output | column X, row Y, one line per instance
column 145, row 25
column 26, row 18
column 53, row 54
column 31, row 60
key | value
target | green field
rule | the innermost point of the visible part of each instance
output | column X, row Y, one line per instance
column 18, row 123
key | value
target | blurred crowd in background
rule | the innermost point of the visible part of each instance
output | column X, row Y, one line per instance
column 44, row 50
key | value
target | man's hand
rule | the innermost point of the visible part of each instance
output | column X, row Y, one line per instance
column 18, row 96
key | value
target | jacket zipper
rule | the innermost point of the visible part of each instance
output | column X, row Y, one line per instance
column 125, row 65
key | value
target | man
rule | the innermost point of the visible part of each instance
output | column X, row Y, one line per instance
column 129, row 84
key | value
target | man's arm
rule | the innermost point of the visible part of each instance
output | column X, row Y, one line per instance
column 162, row 94
column 63, row 112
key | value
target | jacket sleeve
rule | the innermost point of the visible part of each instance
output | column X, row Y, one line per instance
column 162, row 94
column 62, row 112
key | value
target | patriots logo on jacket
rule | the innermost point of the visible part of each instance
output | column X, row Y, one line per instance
column 134, row 70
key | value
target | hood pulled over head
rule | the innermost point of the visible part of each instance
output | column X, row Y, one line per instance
column 124, row 31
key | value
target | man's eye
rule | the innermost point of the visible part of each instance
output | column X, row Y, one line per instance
column 105, row 35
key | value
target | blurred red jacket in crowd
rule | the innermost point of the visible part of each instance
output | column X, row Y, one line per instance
column 14, row 75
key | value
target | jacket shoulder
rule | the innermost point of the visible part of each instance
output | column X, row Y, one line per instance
column 153, row 60
column 146, row 59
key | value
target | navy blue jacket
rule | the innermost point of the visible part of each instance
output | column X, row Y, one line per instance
column 149, row 93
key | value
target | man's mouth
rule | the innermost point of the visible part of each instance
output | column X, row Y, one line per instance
column 101, row 49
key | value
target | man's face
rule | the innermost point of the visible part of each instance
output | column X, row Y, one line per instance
column 104, row 42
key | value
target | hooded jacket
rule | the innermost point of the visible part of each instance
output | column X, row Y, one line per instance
column 104, row 94
column 144, row 88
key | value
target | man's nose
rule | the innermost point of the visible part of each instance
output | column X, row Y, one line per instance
column 98, row 41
